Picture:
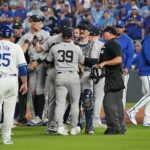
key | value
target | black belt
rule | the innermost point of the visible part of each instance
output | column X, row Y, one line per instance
column 65, row 72
column 7, row 75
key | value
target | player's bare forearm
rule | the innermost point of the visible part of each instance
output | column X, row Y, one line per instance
column 23, row 88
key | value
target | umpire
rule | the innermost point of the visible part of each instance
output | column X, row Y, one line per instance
column 111, row 59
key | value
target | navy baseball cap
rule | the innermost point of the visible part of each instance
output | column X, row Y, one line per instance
column 110, row 29
column 84, row 26
column 44, row 8
column 17, row 25
column 120, row 24
column 97, row 4
column 36, row 18
column 67, row 33
column 95, row 31
column 65, row 24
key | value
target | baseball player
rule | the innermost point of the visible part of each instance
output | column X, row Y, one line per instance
column 98, row 88
column 90, row 50
column 66, row 57
column 143, row 61
column 50, row 79
column 127, row 52
column 12, row 60
column 37, row 76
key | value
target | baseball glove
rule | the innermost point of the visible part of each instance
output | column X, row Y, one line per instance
column 97, row 74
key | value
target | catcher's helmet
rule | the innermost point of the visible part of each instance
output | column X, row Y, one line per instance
column 97, row 74
column 6, row 31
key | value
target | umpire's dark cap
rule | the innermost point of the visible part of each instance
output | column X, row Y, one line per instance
column 110, row 29
column 17, row 25
column 36, row 18
column 95, row 31
column 67, row 33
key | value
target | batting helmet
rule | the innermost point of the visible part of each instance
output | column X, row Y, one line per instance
column 6, row 31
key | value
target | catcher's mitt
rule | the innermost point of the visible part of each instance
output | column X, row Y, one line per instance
column 97, row 74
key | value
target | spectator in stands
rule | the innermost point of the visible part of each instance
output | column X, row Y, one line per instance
column 112, row 11
column 134, row 24
column 35, row 9
column 122, row 14
column 145, row 26
column 26, row 24
column 21, row 11
column 145, row 10
column 97, row 13
column 107, row 20
column 6, row 15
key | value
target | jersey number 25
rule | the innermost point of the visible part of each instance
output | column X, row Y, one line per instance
column 4, row 59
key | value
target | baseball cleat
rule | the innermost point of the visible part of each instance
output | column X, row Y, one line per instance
column 75, row 130
column 146, row 124
column 131, row 117
column 7, row 141
column 89, row 131
column 98, row 124
column 62, row 131
column 35, row 121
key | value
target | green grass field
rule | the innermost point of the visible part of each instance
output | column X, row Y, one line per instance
column 34, row 138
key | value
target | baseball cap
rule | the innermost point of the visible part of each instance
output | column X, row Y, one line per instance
column 110, row 29
column 36, row 18
column 134, row 7
column 65, row 24
column 67, row 33
column 44, row 8
column 97, row 4
column 120, row 24
column 94, row 31
column 84, row 26
column 17, row 25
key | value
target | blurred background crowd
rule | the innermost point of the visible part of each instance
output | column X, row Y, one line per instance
column 102, row 13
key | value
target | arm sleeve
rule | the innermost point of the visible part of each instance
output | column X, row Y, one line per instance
column 81, row 56
column 22, row 70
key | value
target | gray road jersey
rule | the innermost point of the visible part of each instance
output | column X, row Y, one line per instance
column 52, row 40
column 99, row 45
column 66, row 56
column 90, row 50
column 42, row 35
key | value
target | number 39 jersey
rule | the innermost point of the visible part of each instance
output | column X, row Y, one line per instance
column 11, row 57
column 66, row 56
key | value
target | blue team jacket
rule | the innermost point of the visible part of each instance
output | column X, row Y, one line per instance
column 127, row 50
column 143, row 58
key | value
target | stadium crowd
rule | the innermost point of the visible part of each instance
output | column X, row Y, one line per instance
column 88, row 16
